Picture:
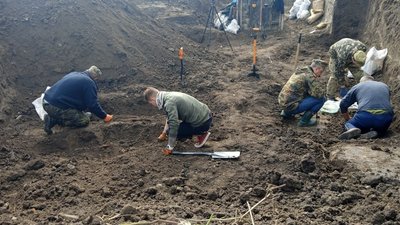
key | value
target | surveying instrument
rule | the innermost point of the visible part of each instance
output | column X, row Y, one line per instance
column 210, row 22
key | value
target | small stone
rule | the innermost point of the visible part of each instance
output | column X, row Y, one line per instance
column 173, row 181
column 129, row 210
column 151, row 190
column 34, row 165
column 307, row 164
column 106, row 192
column 16, row 175
column 372, row 180
column 212, row 196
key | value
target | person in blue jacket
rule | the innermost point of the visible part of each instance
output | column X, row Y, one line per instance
column 69, row 98
column 374, row 114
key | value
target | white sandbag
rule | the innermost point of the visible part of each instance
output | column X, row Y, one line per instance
column 374, row 61
column 303, row 11
column 217, row 22
column 304, row 14
column 295, row 9
column 330, row 107
column 233, row 27
column 38, row 103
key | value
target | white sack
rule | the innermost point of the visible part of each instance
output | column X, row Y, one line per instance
column 303, row 10
column 233, row 27
column 332, row 107
column 38, row 103
column 374, row 60
column 217, row 22
column 295, row 9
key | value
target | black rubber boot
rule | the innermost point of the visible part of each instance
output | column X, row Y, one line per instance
column 48, row 124
column 307, row 120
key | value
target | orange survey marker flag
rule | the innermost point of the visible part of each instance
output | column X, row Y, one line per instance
column 180, row 53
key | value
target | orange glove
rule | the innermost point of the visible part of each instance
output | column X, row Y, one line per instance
column 163, row 136
column 108, row 118
column 168, row 150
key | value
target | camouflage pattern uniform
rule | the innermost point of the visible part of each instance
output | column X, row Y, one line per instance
column 341, row 54
column 301, row 84
column 67, row 117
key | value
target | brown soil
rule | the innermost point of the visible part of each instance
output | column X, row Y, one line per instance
column 92, row 175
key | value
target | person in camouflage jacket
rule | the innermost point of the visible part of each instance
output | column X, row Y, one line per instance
column 345, row 55
column 304, row 92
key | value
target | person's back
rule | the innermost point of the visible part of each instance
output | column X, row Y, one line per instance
column 72, row 91
column 344, row 48
column 68, row 99
column 189, row 109
column 369, row 95
column 374, row 114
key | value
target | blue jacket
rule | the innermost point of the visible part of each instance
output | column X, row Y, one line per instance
column 76, row 90
column 371, row 96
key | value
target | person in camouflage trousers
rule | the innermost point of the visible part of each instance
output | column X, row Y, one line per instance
column 345, row 55
column 304, row 92
column 68, row 99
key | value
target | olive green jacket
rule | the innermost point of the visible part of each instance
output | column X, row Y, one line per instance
column 183, row 107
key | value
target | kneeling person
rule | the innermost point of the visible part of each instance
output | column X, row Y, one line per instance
column 374, row 114
column 186, row 116
column 66, row 101
column 304, row 92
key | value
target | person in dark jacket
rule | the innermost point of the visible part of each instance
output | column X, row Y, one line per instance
column 69, row 98
column 374, row 114
column 186, row 117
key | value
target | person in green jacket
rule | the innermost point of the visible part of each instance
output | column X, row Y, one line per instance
column 186, row 117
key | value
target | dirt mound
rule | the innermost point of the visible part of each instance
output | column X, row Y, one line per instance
column 43, row 40
column 115, row 173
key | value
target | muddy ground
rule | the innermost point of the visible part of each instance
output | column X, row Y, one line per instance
column 115, row 173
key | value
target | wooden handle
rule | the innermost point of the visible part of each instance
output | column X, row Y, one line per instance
column 254, row 51
column 297, row 52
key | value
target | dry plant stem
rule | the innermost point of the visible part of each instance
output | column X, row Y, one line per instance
column 269, row 190
column 241, row 217
column 209, row 220
column 251, row 214
column 114, row 217
column 152, row 222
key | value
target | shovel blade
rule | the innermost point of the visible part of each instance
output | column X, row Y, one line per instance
column 226, row 155
column 214, row 155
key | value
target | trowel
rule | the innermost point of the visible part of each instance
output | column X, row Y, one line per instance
column 214, row 155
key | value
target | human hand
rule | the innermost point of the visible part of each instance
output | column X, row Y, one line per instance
column 163, row 136
column 108, row 118
column 168, row 150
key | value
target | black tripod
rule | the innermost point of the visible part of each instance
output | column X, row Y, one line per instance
column 209, row 24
